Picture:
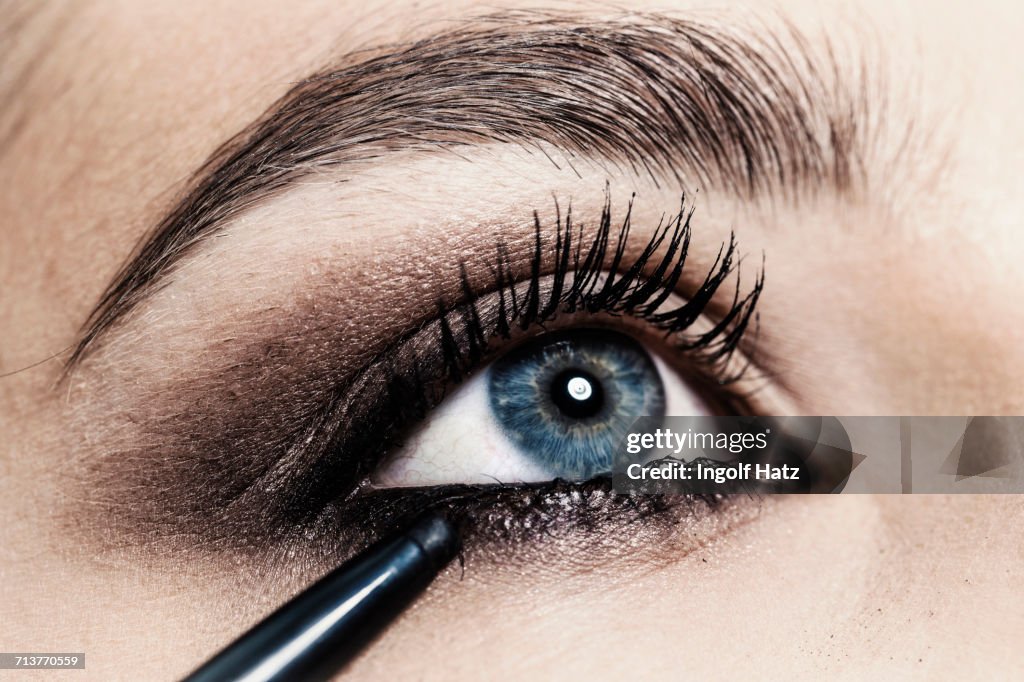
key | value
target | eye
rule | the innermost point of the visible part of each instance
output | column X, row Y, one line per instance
column 555, row 407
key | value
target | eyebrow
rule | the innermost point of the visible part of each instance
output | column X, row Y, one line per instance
column 698, row 103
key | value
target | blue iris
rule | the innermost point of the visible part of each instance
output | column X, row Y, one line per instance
column 567, row 399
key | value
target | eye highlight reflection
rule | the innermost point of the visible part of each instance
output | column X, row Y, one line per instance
column 553, row 408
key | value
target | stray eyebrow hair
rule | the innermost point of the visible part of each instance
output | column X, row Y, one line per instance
column 659, row 96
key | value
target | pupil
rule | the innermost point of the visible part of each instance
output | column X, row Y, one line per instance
column 577, row 394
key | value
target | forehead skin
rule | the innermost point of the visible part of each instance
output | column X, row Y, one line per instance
column 113, row 115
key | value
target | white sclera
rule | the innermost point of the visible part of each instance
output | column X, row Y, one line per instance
column 460, row 442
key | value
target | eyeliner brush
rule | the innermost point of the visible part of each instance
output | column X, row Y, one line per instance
column 318, row 632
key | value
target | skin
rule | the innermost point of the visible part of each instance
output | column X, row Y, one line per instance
column 844, row 585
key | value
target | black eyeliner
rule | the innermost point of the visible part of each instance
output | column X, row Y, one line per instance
column 318, row 632
column 594, row 274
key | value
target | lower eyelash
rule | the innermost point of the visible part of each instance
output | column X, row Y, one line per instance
column 500, row 516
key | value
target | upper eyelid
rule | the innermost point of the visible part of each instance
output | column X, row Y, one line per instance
column 600, row 282
column 690, row 100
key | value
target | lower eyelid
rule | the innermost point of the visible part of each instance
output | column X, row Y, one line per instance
column 563, row 526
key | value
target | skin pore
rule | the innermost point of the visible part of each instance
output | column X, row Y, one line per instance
column 898, row 298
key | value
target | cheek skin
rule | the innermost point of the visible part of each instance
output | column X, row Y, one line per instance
column 652, row 620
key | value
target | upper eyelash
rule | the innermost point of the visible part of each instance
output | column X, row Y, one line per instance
column 368, row 414
column 628, row 292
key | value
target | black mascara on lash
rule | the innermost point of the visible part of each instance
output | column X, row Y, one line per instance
column 318, row 632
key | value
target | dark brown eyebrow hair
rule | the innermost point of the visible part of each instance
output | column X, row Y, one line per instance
column 686, row 100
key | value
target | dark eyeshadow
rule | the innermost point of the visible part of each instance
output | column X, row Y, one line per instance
column 276, row 450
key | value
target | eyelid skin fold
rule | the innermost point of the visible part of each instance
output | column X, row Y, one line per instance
column 278, row 461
